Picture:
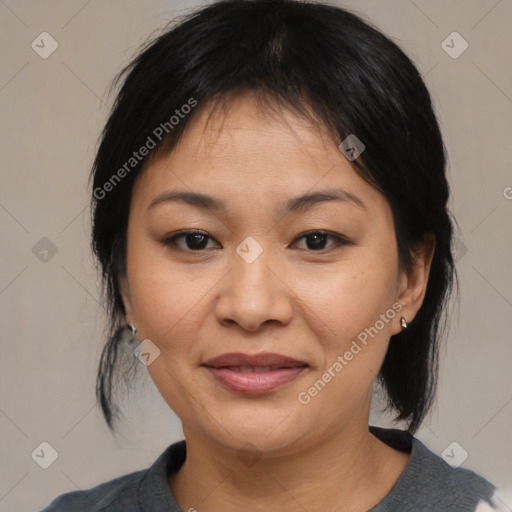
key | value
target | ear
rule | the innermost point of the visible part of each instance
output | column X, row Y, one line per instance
column 413, row 283
column 124, row 288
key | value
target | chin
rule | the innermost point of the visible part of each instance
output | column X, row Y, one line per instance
column 268, row 427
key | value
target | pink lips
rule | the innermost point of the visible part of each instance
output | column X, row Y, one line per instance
column 254, row 374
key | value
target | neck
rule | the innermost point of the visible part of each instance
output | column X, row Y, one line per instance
column 350, row 467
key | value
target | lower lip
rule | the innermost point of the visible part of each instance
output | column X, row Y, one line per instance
column 256, row 383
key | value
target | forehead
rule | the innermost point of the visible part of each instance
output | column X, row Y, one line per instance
column 246, row 125
column 245, row 150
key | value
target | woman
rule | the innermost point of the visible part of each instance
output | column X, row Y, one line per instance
column 270, row 216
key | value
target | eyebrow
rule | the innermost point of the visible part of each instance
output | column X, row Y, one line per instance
column 296, row 204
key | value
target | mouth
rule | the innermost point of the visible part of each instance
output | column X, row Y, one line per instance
column 254, row 374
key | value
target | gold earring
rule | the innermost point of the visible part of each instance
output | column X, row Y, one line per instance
column 403, row 323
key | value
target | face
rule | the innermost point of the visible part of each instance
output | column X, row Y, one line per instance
column 297, row 284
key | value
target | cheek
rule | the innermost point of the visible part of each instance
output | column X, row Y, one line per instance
column 166, row 304
column 349, row 298
column 164, row 297
column 166, row 307
column 346, row 315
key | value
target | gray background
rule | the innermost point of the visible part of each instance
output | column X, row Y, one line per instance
column 52, row 111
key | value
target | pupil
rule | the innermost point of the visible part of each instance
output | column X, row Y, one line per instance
column 194, row 240
column 316, row 238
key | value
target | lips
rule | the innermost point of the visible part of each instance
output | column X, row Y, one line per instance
column 254, row 374
column 264, row 360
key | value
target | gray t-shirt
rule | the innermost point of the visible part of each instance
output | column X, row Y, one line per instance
column 427, row 484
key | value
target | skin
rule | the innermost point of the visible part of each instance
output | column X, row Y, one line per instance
column 295, row 299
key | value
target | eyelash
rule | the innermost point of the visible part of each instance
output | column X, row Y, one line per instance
column 339, row 240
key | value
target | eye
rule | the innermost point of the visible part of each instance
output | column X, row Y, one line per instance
column 316, row 240
column 194, row 240
column 197, row 241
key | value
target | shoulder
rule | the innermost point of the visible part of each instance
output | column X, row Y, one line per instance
column 437, row 475
column 117, row 494
column 436, row 485
column 146, row 489
column 430, row 484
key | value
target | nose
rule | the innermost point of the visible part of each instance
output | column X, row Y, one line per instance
column 253, row 295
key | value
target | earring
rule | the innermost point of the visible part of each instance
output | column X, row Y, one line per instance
column 133, row 330
column 403, row 323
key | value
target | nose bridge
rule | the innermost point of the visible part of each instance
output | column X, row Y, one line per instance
column 252, row 294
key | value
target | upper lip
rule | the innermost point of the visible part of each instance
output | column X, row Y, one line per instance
column 253, row 360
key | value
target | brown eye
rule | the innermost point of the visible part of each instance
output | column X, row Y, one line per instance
column 193, row 240
column 316, row 240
